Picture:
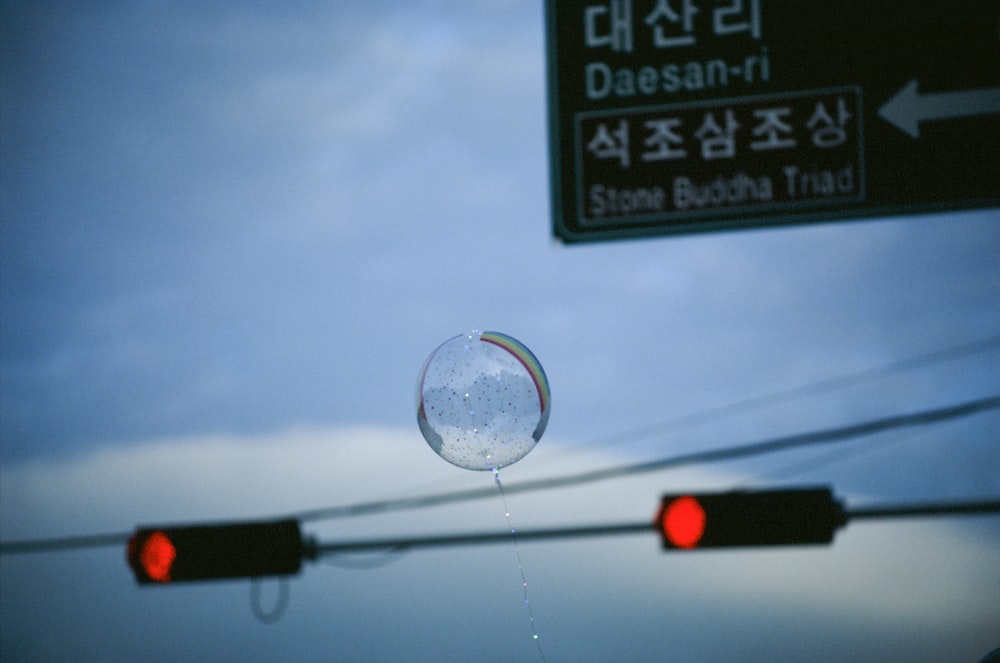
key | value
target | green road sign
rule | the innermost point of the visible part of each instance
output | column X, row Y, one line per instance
column 676, row 116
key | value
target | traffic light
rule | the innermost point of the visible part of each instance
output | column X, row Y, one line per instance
column 208, row 552
column 749, row 518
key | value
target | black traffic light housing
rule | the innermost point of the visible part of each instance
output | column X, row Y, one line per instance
column 749, row 518
column 209, row 552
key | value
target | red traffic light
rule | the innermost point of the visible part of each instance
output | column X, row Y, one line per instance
column 683, row 522
column 749, row 518
column 156, row 554
column 207, row 552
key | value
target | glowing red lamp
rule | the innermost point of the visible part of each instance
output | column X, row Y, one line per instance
column 749, row 518
column 160, row 555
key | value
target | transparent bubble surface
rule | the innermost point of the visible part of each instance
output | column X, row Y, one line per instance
column 482, row 400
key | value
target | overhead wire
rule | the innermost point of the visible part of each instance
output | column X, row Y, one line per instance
column 774, row 445
column 319, row 550
column 385, row 556
column 65, row 543
column 768, row 446
column 783, row 396
column 712, row 414
column 828, row 457
column 274, row 615
column 790, row 394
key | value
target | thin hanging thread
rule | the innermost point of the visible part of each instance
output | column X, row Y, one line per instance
column 520, row 566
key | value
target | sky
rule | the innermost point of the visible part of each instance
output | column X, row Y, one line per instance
column 230, row 234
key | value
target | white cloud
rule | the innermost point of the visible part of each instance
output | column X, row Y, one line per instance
column 931, row 577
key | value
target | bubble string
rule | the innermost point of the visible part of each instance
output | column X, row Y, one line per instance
column 520, row 566
column 483, row 402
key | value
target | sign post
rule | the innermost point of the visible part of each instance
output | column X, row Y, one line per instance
column 678, row 116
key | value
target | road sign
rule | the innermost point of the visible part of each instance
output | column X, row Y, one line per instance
column 675, row 116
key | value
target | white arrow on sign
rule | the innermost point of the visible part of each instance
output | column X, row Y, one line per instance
column 907, row 108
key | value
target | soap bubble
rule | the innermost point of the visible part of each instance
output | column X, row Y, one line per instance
column 482, row 400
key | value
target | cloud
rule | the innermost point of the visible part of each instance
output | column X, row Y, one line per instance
column 916, row 590
column 268, row 218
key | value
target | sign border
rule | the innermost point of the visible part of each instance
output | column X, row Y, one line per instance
column 665, row 217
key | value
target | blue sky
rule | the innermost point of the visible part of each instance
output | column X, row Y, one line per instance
column 229, row 237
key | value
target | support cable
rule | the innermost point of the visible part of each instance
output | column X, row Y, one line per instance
column 924, row 417
column 315, row 550
column 774, row 445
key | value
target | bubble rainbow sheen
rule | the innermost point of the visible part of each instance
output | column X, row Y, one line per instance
column 483, row 400
column 527, row 359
